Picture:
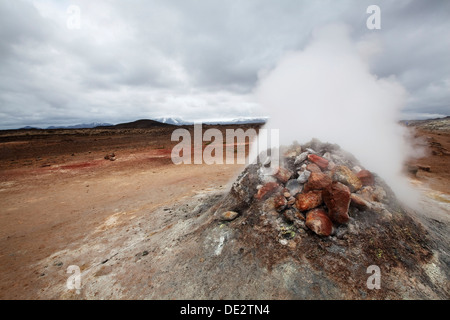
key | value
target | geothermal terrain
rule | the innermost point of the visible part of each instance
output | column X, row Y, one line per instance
column 110, row 201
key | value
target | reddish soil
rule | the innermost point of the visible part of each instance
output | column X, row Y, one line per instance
column 436, row 146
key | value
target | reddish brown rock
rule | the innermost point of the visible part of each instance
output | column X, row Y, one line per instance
column 283, row 174
column 318, row 221
column 321, row 162
column 280, row 202
column 346, row 176
column 313, row 167
column 310, row 200
column 317, row 181
column 366, row 177
column 266, row 190
column 337, row 198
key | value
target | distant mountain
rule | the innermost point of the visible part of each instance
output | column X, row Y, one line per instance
column 82, row 126
column 171, row 121
column 29, row 128
column 433, row 125
column 242, row 120
column 138, row 124
column 157, row 122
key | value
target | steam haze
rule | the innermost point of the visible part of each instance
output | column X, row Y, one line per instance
column 327, row 91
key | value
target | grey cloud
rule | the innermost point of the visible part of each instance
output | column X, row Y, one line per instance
column 151, row 55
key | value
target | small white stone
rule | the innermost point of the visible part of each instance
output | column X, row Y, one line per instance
column 331, row 165
column 356, row 169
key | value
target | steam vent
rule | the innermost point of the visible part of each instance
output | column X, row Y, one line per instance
column 319, row 221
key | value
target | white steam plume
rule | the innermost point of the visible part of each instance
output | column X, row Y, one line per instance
column 327, row 92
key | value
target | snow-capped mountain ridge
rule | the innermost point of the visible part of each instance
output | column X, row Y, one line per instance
column 242, row 120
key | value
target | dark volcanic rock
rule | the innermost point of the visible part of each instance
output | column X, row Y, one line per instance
column 242, row 191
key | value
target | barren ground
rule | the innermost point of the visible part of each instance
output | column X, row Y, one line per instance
column 57, row 190
column 122, row 222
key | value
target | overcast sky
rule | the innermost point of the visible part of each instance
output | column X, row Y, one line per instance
column 196, row 59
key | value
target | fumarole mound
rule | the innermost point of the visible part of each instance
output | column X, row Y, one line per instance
column 324, row 220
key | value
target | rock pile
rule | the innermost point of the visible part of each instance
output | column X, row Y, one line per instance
column 317, row 222
column 313, row 189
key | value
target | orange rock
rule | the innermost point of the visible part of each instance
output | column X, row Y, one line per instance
column 280, row 202
column 318, row 221
column 266, row 190
column 321, row 162
column 310, row 200
column 283, row 174
column 317, row 181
